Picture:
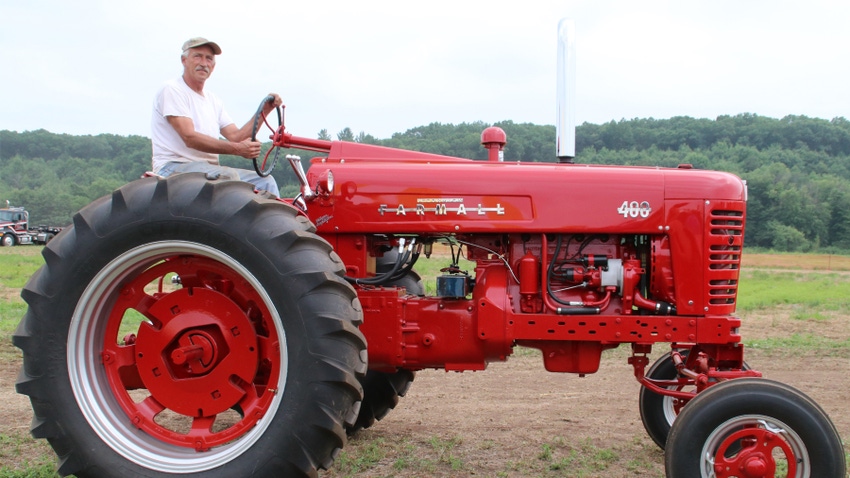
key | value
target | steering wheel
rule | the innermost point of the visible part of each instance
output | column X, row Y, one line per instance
column 265, row 167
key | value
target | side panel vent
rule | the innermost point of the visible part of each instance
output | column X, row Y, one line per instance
column 724, row 243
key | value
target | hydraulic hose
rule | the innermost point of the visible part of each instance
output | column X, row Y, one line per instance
column 402, row 266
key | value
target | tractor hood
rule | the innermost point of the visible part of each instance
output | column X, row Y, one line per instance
column 463, row 196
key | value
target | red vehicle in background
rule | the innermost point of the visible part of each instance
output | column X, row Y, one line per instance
column 15, row 228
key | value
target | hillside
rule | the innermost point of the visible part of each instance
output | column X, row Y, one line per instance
column 797, row 168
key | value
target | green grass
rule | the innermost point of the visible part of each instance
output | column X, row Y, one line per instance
column 759, row 289
column 369, row 451
column 368, row 454
column 42, row 470
column 414, row 458
column 429, row 269
column 11, row 311
column 800, row 344
column 585, row 460
column 367, row 457
column 446, row 454
column 17, row 264
column 14, row 448
column 812, row 299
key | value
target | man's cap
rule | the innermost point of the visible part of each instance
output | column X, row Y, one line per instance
column 199, row 41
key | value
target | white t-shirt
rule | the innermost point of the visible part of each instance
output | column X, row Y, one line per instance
column 206, row 111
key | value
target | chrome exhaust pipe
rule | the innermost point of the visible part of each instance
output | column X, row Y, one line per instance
column 566, row 90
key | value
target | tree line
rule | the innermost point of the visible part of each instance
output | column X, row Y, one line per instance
column 797, row 168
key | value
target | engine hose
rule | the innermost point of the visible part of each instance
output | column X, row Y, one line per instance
column 662, row 308
column 385, row 277
column 553, row 302
column 578, row 310
column 407, row 268
column 551, row 272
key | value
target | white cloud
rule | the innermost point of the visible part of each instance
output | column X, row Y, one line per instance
column 386, row 66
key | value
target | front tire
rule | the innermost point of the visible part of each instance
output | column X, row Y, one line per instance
column 657, row 412
column 248, row 365
column 753, row 427
column 8, row 240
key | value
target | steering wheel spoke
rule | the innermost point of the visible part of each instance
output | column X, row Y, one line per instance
column 265, row 166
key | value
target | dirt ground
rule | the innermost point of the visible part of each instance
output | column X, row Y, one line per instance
column 515, row 419
column 502, row 419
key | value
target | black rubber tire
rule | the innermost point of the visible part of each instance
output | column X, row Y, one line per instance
column 412, row 281
column 382, row 390
column 8, row 240
column 656, row 411
column 755, row 403
column 297, row 274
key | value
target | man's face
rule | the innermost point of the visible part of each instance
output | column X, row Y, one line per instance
column 200, row 62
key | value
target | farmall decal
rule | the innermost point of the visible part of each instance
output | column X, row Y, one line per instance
column 441, row 207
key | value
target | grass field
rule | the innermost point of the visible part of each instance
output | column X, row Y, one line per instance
column 793, row 305
column 813, row 262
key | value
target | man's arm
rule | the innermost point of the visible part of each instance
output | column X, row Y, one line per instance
column 234, row 134
column 186, row 129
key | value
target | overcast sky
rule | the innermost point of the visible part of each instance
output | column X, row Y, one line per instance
column 380, row 67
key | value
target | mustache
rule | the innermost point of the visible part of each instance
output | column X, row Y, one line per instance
column 204, row 68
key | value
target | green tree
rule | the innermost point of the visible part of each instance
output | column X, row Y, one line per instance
column 345, row 135
column 797, row 168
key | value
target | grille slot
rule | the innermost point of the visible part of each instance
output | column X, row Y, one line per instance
column 725, row 240
column 727, row 223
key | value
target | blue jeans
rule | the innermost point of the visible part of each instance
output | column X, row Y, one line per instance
column 261, row 183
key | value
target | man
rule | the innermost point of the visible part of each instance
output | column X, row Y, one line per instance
column 187, row 123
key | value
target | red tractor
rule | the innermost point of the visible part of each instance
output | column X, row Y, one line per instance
column 193, row 326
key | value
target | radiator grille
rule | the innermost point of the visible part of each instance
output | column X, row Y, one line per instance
column 725, row 240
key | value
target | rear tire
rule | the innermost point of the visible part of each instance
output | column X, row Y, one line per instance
column 752, row 427
column 249, row 366
column 382, row 390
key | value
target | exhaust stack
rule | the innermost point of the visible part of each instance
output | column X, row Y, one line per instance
column 566, row 91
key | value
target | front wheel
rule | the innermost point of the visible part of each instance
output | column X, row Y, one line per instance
column 751, row 428
column 191, row 327
column 657, row 412
column 8, row 240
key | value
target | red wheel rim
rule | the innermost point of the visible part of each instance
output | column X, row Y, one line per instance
column 199, row 371
column 755, row 451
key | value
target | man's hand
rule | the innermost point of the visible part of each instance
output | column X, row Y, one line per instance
column 270, row 105
column 234, row 134
column 247, row 148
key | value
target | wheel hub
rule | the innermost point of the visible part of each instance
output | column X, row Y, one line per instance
column 755, row 466
column 198, row 354
column 755, row 458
